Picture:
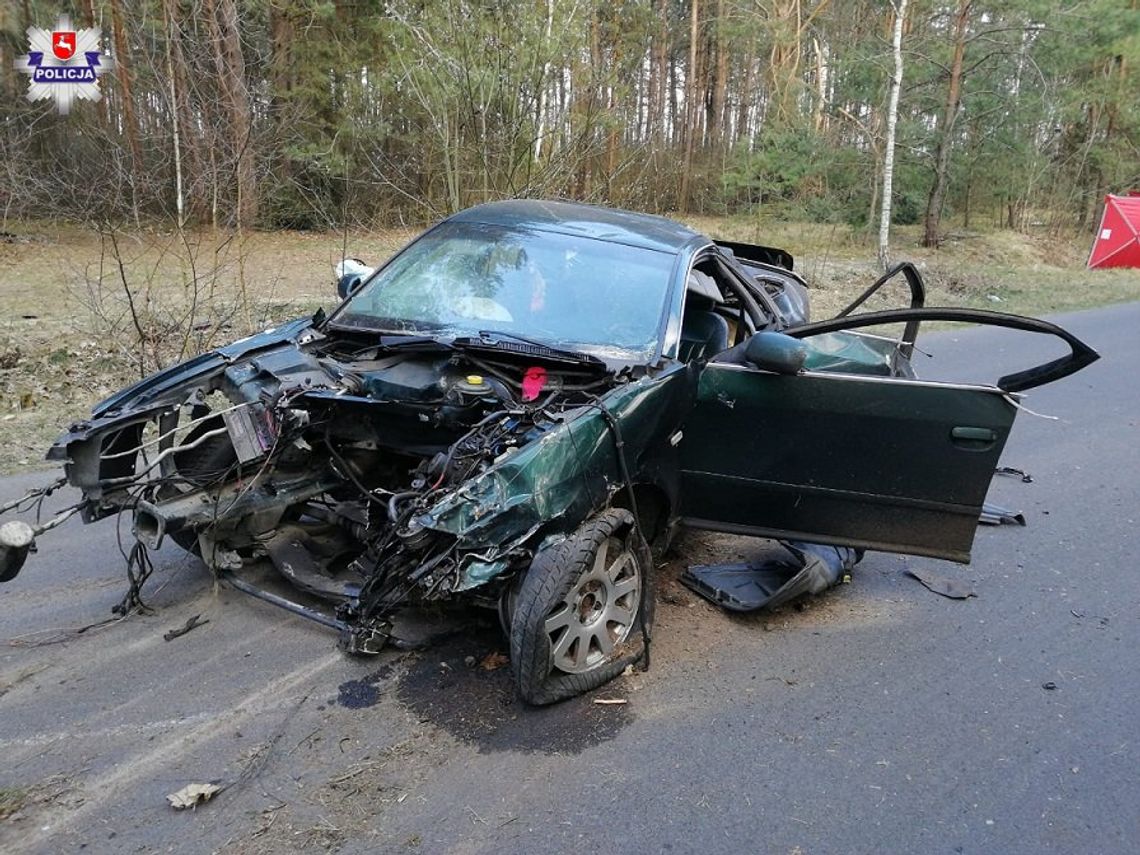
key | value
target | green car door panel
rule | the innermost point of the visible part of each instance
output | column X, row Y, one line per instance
column 879, row 463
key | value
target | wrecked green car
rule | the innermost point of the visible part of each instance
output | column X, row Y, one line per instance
column 520, row 408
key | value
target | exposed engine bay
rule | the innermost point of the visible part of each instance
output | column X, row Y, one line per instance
column 333, row 457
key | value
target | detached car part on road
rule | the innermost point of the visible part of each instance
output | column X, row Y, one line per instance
column 524, row 403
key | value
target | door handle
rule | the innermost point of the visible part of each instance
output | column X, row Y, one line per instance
column 973, row 438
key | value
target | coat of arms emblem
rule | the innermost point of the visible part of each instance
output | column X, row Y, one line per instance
column 63, row 44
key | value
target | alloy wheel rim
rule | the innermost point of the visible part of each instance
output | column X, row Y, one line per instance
column 598, row 612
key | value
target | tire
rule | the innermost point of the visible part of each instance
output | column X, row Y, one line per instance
column 577, row 617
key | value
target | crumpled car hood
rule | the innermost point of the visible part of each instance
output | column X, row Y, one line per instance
column 150, row 388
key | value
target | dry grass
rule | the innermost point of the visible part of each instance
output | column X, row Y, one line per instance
column 12, row 800
column 68, row 338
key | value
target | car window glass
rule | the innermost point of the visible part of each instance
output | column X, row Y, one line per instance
column 565, row 289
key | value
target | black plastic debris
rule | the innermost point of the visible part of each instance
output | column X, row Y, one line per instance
column 997, row 515
column 1025, row 477
column 955, row 589
column 192, row 623
column 811, row 569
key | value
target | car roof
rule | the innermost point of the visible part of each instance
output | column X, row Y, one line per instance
column 606, row 224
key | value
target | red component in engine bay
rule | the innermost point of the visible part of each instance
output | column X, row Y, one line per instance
column 534, row 380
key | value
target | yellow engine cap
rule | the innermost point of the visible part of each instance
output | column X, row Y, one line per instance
column 475, row 379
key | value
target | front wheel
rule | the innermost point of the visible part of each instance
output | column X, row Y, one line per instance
column 577, row 609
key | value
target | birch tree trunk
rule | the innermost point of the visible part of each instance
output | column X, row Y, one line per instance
column 188, row 135
column 543, row 83
column 179, row 205
column 889, row 146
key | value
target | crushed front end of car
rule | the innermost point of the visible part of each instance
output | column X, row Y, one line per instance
column 372, row 472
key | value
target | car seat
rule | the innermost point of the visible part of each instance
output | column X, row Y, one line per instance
column 704, row 333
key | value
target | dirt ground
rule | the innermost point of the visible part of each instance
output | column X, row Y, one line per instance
column 83, row 311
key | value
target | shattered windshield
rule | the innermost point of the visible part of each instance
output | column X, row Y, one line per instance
column 565, row 290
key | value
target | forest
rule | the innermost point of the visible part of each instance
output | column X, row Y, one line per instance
column 317, row 114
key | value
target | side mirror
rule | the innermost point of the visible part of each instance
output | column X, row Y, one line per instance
column 347, row 285
column 350, row 273
column 776, row 352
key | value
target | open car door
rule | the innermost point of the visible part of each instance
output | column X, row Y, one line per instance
column 876, row 462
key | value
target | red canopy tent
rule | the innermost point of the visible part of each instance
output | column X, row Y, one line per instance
column 1117, row 241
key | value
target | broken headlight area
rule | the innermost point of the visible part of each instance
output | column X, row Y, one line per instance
column 327, row 462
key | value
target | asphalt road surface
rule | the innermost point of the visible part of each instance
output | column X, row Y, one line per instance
column 879, row 718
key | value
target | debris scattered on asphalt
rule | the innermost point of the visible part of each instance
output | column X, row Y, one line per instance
column 193, row 795
column 494, row 660
column 308, row 739
column 997, row 515
column 955, row 589
column 268, row 817
column 610, row 702
column 673, row 598
column 193, row 623
column 1025, row 477
column 1049, row 686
